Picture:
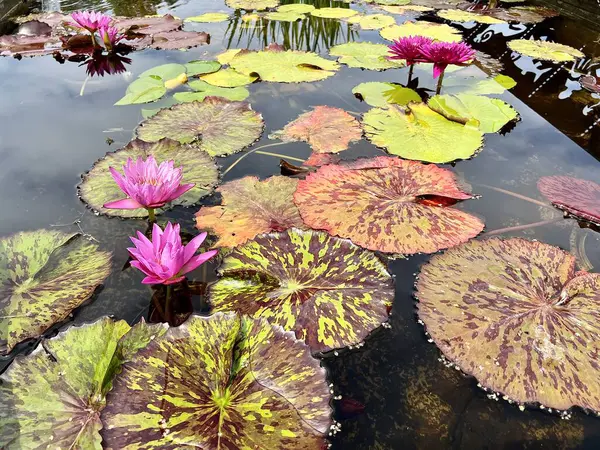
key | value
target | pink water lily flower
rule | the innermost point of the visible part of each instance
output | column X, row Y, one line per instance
column 148, row 185
column 110, row 36
column 409, row 49
column 164, row 260
column 441, row 54
column 90, row 20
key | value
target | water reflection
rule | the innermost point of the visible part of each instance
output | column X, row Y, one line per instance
column 100, row 64
column 131, row 8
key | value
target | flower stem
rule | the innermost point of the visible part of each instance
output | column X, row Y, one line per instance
column 523, row 227
column 514, row 194
column 94, row 43
column 235, row 163
column 439, row 84
column 151, row 215
column 168, row 303
column 410, row 72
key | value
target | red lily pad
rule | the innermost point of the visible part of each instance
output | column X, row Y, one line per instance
column 13, row 45
column 578, row 197
column 176, row 40
column 517, row 316
column 148, row 25
column 388, row 204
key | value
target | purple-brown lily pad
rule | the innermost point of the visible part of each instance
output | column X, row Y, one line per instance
column 580, row 198
column 148, row 25
column 176, row 40
column 22, row 45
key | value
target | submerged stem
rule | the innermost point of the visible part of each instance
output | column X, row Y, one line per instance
column 235, row 163
column 514, row 194
column 522, row 227
column 279, row 155
column 83, row 86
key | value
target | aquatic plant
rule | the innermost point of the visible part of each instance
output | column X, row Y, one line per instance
column 111, row 37
column 91, row 21
column 409, row 49
column 442, row 54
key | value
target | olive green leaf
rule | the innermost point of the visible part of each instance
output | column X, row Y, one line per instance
column 250, row 5
column 195, row 68
column 209, row 17
column 547, row 51
column 365, row 55
column 203, row 90
column 228, row 78
column 455, row 15
column 435, row 31
column 372, row 21
column 284, row 16
column 381, row 95
column 228, row 55
column 333, row 13
column 298, row 8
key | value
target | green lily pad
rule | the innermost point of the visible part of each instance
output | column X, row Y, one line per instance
column 218, row 126
column 164, row 103
column 284, row 66
column 203, row 90
column 251, row 5
column 220, row 382
column 372, row 21
column 489, row 86
column 195, row 68
column 284, row 16
column 455, row 15
column 228, row 78
column 365, row 55
column 164, row 71
column 143, row 90
column 490, row 114
column 547, row 51
column 330, row 292
column 298, row 8
column 417, row 132
column 98, row 186
column 406, row 9
column 45, row 275
column 382, row 95
column 334, row 13
column 435, row 31
column 208, row 17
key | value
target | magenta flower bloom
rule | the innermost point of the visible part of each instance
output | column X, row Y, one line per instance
column 164, row 260
column 441, row 54
column 409, row 49
column 148, row 185
column 110, row 36
column 90, row 20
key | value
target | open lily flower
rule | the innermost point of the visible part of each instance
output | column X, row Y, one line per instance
column 100, row 64
column 442, row 54
column 110, row 36
column 90, row 20
column 164, row 260
column 409, row 49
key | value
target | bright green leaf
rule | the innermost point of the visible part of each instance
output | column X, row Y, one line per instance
column 383, row 94
column 228, row 78
column 365, row 55
column 195, row 68
column 208, row 17
column 204, row 90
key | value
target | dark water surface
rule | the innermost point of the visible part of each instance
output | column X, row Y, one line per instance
column 396, row 394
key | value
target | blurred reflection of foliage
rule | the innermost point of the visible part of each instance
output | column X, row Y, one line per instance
column 129, row 8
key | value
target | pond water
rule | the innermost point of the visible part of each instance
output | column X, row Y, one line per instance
column 396, row 393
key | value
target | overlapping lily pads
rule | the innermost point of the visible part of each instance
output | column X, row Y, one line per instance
column 325, row 129
column 438, row 32
column 547, row 51
column 250, row 5
column 382, row 94
column 330, row 292
column 203, row 89
column 250, row 207
column 455, row 15
column 220, row 382
column 284, row 16
column 45, row 275
column 417, row 132
column 372, row 21
column 147, row 25
column 387, row 204
column 580, row 198
column 217, row 126
column 518, row 316
column 333, row 13
column 298, row 8
column 228, row 78
column 152, row 84
column 365, row 55
column 98, row 186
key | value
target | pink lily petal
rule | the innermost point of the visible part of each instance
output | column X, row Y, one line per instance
column 174, row 280
column 182, row 189
column 438, row 69
column 196, row 261
column 126, row 203
column 193, row 246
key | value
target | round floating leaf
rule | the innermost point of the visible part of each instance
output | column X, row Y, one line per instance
column 179, row 40
column 283, row 16
column 44, row 275
column 365, row 55
column 523, row 14
column 284, row 66
column 209, row 17
column 143, row 90
column 164, row 71
column 387, row 204
column 298, row 8
column 417, row 132
column 334, row 13
column 250, row 207
column 326, row 129
column 228, row 55
column 220, row 382
column 489, row 114
column 455, row 15
column 203, row 90
column 330, row 292
column 406, row 9
column 228, row 78
column 383, row 94
column 547, row 51
column 98, row 186
column 517, row 316
column 251, row 5
column 220, row 127
column 578, row 197
column 201, row 67
column 438, row 32
column 497, row 85
column 147, row 25
column 372, row 21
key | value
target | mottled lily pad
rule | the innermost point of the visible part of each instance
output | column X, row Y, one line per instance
column 365, row 55
column 44, row 275
column 228, row 78
column 578, row 197
column 330, row 292
column 455, row 15
column 283, row 16
column 250, row 207
column 220, row 382
column 147, row 25
column 326, row 129
column 209, row 17
column 333, row 13
column 435, row 31
column 381, row 94
column 372, row 21
column 523, row 14
column 517, row 316
column 218, row 126
column 387, row 204
column 298, row 8
column 417, row 132
column 179, row 40
column 547, row 51
column 251, row 5
column 98, row 186
column 203, row 90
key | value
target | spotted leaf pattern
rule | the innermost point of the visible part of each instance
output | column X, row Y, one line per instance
column 578, row 197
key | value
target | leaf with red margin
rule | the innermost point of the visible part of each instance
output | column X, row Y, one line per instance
column 517, row 316
column 578, row 197
column 384, row 204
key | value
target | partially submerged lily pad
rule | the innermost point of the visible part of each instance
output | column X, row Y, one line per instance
column 228, row 78
column 387, row 204
column 455, row 15
column 203, row 89
column 365, row 55
column 333, row 13
column 152, row 84
column 517, row 316
column 580, row 198
column 228, row 55
column 523, row 14
column 218, row 126
column 283, row 16
column 382, row 95
column 298, row 8
column 372, row 21
column 470, row 85
column 547, row 51
column 179, row 40
column 250, row 207
column 251, row 5
column 330, row 292
column 147, row 25
column 98, row 187
column 209, row 17
column 417, row 132
column 220, row 382
column 325, row 129
column 435, row 31
column 45, row 275
column 195, row 68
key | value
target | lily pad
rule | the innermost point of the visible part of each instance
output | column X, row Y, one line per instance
column 220, row 382
column 547, row 51
column 98, row 186
column 326, row 129
column 298, row 8
column 179, row 40
column 489, row 114
column 194, row 68
column 406, row 9
column 417, row 132
column 250, row 207
column 470, row 85
column 282, row 16
column 365, row 55
column 13, row 45
column 164, row 71
column 578, row 197
column 383, row 94
column 372, row 21
column 387, row 204
column 251, row 5
column 45, row 275
column 228, row 55
column 203, row 90
column 330, row 292
column 147, row 25
column 333, row 13
column 228, row 78
column 143, row 90
column 209, row 17
column 517, row 316
column 284, row 66
column 435, row 31
column 523, row 14
column 218, row 126
column 390, row 2
column 455, row 15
